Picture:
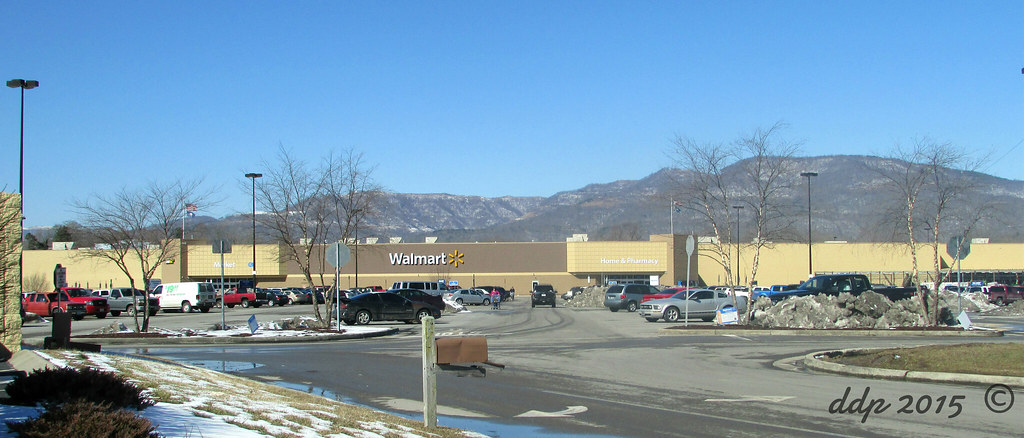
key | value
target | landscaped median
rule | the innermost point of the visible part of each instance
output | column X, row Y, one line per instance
column 980, row 363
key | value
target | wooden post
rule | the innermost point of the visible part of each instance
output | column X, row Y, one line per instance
column 429, row 374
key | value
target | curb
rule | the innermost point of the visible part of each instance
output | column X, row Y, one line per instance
column 811, row 361
column 827, row 332
column 225, row 340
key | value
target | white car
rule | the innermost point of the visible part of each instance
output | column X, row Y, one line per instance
column 469, row 296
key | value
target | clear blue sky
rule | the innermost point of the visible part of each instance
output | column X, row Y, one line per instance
column 484, row 97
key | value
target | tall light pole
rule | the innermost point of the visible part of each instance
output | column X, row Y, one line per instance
column 253, row 176
column 738, row 208
column 810, row 266
column 24, row 85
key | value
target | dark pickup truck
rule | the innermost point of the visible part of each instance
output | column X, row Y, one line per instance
column 836, row 284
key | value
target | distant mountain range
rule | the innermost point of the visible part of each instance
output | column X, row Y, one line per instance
column 847, row 200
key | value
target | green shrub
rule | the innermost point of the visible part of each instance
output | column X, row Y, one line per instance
column 84, row 419
column 56, row 386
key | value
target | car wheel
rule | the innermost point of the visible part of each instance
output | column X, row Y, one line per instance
column 101, row 315
column 487, row 301
column 999, row 301
column 78, row 317
column 245, row 303
column 186, row 307
column 56, row 310
column 631, row 307
column 231, row 306
column 363, row 317
column 707, row 318
column 218, row 303
column 458, row 301
column 152, row 313
column 671, row 314
column 651, row 319
column 205, row 309
column 115, row 313
column 422, row 313
column 613, row 309
column 533, row 304
column 348, row 322
column 130, row 310
column 288, row 301
column 270, row 303
column 552, row 304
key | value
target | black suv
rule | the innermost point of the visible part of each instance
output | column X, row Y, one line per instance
column 542, row 294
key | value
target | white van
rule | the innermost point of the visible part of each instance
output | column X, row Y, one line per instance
column 430, row 287
column 186, row 296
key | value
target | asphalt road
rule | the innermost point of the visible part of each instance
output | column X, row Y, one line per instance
column 593, row 372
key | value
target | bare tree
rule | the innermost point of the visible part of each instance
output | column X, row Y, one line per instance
column 928, row 180
column 306, row 205
column 760, row 181
column 140, row 228
column 768, row 176
column 352, row 197
column 292, row 197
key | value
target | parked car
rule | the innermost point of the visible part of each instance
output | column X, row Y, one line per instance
column 1002, row 294
column 47, row 304
column 542, row 294
column 627, row 296
column 469, row 296
column 667, row 293
column 384, row 306
column 430, row 287
column 420, row 296
column 249, row 297
column 186, row 296
column 93, row 305
column 835, row 284
column 299, row 295
column 700, row 303
column 128, row 300
column 277, row 298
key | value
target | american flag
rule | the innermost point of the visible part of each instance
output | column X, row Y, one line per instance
column 190, row 209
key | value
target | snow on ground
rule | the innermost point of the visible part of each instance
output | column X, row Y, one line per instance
column 199, row 402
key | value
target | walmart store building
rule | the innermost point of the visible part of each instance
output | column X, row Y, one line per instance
column 662, row 260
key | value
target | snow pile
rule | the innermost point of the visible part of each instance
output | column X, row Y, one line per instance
column 1013, row 309
column 868, row 310
column 591, row 296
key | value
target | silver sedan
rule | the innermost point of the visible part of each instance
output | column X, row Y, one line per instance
column 701, row 303
column 469, row 296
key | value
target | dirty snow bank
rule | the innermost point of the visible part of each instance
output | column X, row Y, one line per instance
column 868, row 310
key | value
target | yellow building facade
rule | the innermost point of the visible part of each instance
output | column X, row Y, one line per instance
column 662, row 260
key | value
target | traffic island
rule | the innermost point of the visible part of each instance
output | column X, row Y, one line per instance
column 926, row 364
column 748, row 330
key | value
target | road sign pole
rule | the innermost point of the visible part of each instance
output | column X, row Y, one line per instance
column 690, row 246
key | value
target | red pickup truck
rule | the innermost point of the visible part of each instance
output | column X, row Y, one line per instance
column 1002, row 294
column 47, row 304
column 246, row 298
column 93, row 305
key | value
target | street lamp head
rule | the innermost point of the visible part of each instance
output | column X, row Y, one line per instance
column 253, row 175
column 808, row 174
column 738, row 207
column 21, row 83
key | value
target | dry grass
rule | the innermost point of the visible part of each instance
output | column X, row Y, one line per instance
column 1004, row 359
column 269, row 409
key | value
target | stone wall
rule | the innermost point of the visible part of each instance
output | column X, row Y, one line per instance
column 10, row 278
